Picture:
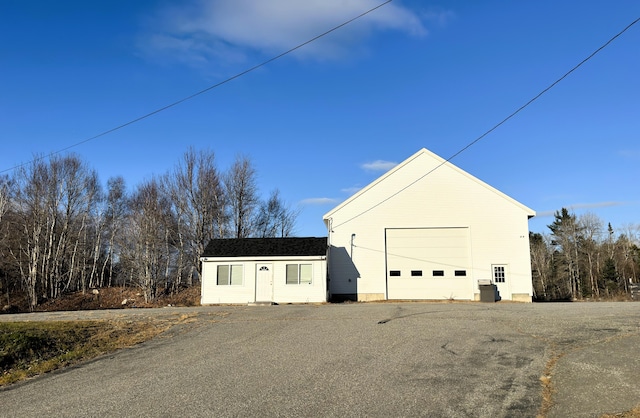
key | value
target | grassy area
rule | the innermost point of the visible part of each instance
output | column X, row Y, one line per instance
column 31, row 348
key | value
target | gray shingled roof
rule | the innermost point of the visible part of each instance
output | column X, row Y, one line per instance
column 282, row 247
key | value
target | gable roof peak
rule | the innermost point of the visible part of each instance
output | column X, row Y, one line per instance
column 440, row 162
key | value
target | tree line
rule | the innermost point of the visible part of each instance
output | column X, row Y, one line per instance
column 61, row 231
column 579, row 258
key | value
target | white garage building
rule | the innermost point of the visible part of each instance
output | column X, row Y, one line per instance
column 428, row 230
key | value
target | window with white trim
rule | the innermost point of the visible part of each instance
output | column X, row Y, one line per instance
column 229, row 275
column 498, row 274
column 299, row 273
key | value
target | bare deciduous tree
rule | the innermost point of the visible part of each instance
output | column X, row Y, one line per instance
column 591, row 227
column 114, row 217
column 31, row 210
column 565, row 230
column 5, row 233
column 242, row 195
column 4, row 196
column 55, row 201
column 585, row 261
column 541, row 265
column 275, row 218
column 200, row 208
column 60, row 233
column 147, row 254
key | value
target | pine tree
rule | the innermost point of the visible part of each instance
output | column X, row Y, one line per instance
column 610, row 276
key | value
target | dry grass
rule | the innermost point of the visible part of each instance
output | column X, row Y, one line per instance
column 547, row 384
column 28, row 349
column 33, row 348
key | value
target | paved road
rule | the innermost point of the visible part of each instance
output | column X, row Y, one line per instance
column 364, row 360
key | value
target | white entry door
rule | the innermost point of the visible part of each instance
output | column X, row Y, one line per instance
column 264, row 283
column 501, row 280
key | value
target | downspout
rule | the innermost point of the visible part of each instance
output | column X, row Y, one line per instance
column 328, row 262
column 386, row 268
column 353, row 236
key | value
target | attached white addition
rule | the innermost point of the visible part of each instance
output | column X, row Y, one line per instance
column 271, row 270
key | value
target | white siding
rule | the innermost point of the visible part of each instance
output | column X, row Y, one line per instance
column 212, row 293
column 316, row 291
column 313, row 292
column 447, row 197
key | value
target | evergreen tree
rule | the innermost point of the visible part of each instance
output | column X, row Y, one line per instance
column 610, row 277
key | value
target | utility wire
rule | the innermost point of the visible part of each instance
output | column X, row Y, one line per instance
column 496, row 126
column 240, row 74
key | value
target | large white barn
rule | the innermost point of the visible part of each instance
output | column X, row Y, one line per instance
column 428, row 230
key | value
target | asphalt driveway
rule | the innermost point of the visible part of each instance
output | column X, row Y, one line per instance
column 373, row 360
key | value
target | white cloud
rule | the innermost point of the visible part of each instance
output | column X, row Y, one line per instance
column 217, row 29
column 315, row 201
column 351, row 190
column 630, row 154
column 194, row 51
column 439, row 17
column 578, row 206
column 596, row 205
column 545, row 214
column 379, row 165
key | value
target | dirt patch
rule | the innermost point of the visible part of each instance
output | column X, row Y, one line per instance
column 115, row 298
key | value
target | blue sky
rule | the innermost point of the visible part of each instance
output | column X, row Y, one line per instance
column 326, row 120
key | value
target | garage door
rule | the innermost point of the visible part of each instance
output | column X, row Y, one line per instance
column 428, row 263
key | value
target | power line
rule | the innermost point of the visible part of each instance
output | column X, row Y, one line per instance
column 238, row 75
column 496, row 126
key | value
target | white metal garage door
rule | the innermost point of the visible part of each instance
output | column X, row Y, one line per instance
column 428, row 263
